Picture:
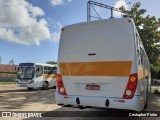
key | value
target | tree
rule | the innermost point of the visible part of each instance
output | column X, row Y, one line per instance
column 149, row 30
column 51, row 62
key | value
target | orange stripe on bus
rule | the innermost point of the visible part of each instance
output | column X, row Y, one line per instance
column 49, row 76
column 117, row 68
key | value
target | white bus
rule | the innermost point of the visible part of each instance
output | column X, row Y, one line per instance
column 103, row 64
column 36, row 75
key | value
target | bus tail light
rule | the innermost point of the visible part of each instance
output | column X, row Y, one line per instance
column 60, row 85
column 131, row 86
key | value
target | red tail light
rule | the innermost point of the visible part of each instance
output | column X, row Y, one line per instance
column 60, row 85
column 131, row 87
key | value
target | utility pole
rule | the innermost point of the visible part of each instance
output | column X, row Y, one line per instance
column 11, row 62
column 0, row 59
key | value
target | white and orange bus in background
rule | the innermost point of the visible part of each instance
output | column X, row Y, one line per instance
column 103, row 64
column 36, row 75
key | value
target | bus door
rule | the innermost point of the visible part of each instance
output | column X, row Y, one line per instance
column 38, row 76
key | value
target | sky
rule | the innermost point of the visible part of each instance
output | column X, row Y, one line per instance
column 30, row 29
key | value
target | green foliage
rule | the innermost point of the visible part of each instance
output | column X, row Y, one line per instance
column 155, row 71
column 52, row 62
column 149, row 33
column 156, row 91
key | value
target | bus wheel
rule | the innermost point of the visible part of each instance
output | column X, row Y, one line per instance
column 45, row 85
column 30, row 88
column 145, row 106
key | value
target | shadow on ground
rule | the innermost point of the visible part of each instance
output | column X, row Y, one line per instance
column 74, row 113
column 20, row 98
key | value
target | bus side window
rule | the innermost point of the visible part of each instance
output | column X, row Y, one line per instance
column 138, row 41
column 47, row 70
column 54, row 70
column 39, row 71
column 146, row 64
column 141, row 54
column 139, row 57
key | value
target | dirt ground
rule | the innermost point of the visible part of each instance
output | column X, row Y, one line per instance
column 13, row 98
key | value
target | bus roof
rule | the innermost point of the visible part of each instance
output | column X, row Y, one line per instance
column 32, row 64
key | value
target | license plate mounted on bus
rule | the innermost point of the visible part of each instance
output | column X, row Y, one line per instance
column 92, row 87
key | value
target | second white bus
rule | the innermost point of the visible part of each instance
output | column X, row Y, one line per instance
column 36, row 75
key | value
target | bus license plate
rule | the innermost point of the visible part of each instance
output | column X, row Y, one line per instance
column 92, row 87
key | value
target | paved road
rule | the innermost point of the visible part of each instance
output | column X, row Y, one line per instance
column 20, row 99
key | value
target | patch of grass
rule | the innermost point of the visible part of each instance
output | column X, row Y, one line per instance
column 7, row 83
column 155, row 82
column 156, row 91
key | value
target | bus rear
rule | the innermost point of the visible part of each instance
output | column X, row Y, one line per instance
column 97, row 65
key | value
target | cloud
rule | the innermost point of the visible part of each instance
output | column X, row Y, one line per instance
column 55, row 36
column 22, row 23
column 118, row 4
column 59, row 2
column 140, row 27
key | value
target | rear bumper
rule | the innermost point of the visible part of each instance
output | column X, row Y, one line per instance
column 129, row 104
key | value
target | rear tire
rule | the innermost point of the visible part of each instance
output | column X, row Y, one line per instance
column 60, row 104
column 30, row 89
column 45, row 85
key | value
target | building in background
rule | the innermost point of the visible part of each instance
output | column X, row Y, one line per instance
column 8, row 72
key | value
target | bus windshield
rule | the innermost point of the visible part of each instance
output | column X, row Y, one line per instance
column 26, row 72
